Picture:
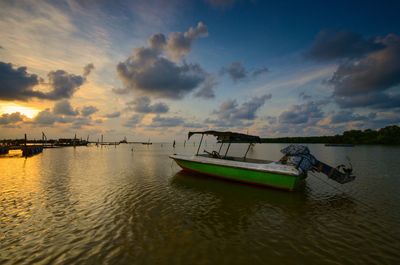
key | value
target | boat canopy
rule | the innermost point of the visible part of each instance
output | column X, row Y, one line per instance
column 229, row 137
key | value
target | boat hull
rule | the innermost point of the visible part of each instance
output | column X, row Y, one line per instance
column 240, row 174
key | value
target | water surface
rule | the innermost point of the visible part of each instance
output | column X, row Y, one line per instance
column 92, row 205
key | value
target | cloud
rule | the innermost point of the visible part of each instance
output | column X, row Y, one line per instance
column 62, row 84
column 18, row 84
column 120, row 91
column 160, row 77
column 260, row 71
column 13, row 118
column 63, row 107
column 45, row 117
column 64, row 113
column 149, row 72
column 231, row 110
column 79, row 122
column 143, row 105
column 237, row 71
column 304, row 96
column 88, row 110
column 133, row 121
column 365, row 82
column 206, row 91
column 88, row 69
column 332, row 45
column 306, row 114
column 345, row 116
column 113, row 115
column 194, row 125
column 159, row 121
column 179, row 44
column 375, row 100
column 231, row 114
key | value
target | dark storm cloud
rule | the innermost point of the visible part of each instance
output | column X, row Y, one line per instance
column 149, row 72
column 63, row 107
column 6, row 118
column 88, row 110
column 17, row 83
column 365, row 82
column 143, row 105
column 237, row 71
column 88, row 69
column 331, row 45
column 307, row 113
column 113, row 115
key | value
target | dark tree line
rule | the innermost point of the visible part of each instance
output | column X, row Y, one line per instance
column 390, row 135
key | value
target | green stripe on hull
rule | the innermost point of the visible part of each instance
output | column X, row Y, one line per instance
column 280, row 181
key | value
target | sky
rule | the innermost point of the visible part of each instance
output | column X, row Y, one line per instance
column 158, row 69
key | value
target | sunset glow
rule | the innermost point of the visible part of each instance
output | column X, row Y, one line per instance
column 10, row 108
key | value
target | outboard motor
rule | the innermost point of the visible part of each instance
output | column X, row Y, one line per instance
column 299, row 155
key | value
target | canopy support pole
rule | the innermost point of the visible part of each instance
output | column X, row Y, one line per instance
column 198, row 149
column 219, row 151
column 227, row 149
column 248, row 148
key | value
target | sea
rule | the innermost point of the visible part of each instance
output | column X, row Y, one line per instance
column 131, row 204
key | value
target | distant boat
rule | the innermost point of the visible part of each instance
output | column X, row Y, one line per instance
column 340, row 145
column 123, row 141
column 286, row 173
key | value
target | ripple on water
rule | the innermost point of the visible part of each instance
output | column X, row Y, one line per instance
column 93, row 205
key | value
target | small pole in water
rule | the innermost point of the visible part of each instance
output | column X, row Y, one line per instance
column 173, row 145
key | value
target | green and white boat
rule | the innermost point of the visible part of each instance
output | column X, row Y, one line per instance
column 287, row 173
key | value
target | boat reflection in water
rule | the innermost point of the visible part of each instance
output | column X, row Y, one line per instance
column 246, row 198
